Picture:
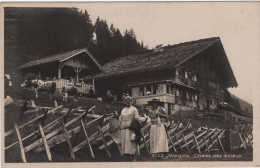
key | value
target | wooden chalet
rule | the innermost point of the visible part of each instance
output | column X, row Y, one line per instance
column 186, row 76
column 72, row 64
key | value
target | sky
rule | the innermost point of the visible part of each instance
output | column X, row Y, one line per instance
column 236, row 23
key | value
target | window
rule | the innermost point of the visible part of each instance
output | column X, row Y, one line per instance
column 195, row 97
column 141, row 91
column 172, row 90
column 207, row 103
column 191, row 96
column 176, row 72
column 188, row 95
column 186, row 74
column 183, row 72
column 212, row 102
column 155, row 88
column 176, row 96
column 195, row 77
column 177, row 92
column 167, row 89
column 183, row 95
column 148, row 90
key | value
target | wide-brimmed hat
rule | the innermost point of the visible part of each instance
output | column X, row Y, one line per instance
column 160, row 103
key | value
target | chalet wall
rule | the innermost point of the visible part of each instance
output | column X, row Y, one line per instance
column 210, row 82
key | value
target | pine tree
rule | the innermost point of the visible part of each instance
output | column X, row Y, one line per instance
column 45, row 31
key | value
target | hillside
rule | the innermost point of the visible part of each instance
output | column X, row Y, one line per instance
column 244, row 105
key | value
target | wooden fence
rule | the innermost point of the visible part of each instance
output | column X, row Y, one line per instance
column 180, row 137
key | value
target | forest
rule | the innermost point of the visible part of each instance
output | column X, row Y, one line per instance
column 32, row 33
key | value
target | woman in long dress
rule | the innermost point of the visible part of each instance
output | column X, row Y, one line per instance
column 128, row 147
column 158, row 136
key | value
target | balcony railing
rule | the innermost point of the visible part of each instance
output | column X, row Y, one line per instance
column 82, row 87
column 164, row 98
column 185, row 81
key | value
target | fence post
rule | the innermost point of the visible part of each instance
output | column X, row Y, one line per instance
column 20, row 142
column 40, row 124
column 185, row 143
column 86, row 135
column 47, row 149
column 68, row 141
column 195, row 139
column 104, row 141
column 219, row 141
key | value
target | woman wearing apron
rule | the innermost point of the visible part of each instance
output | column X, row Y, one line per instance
column 158, row 136
column 128, row 147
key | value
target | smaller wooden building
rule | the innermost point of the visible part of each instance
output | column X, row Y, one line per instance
column 65, row 66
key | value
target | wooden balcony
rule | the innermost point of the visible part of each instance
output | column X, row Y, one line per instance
column 220, row 93
column 83, row 88
column 186, row 82
column 168, row 98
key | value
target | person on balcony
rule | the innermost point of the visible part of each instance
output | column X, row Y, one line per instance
column 158, row 136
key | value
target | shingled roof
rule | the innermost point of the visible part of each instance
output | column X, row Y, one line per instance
column 170, row 57
column 60, row 58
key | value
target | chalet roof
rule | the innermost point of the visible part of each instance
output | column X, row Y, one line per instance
column 169, row 57
column 60, row 57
